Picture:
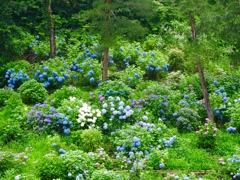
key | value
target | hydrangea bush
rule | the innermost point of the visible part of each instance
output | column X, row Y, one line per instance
column 206, row 135
column 44, row 117
column 88, row 116
column 115, row 113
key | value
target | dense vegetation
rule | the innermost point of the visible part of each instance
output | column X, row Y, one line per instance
column 133, row 89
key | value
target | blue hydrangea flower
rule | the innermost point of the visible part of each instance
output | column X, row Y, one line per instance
column 161, row 166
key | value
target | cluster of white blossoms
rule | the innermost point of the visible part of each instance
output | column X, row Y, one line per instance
column 87, row 116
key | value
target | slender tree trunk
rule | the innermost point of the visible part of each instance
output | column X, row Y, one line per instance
column 105, row 65
column 106, row 52
column 51, row 30
column 202, row 78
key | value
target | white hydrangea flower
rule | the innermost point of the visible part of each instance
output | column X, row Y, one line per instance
column 72, row 99
column 88, row 116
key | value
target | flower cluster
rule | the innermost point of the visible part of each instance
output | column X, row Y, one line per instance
column 44, row 117
column 116, row 111
column 231, row 129
column 138, row 103
column 15, row 79
column 113, row 88
column 170, row 141
column 50, row 77
column 157, row 104
column 206, row 135
column 134, row 140
column 22, row 157
column 101, row 158
column 148, row 126
column 88, row 116
column 233, row 164
column 221, row 161
column 234, row 159
column 187, row 119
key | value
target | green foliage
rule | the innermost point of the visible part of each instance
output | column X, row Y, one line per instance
column 230, row 82
column 51, row 167
column 191, row 83
column 176, row 59
column 32, row 92
column 156, row 158
column 187, row 120
column 114, row 88
column 234, row 114
column 101, row 159
column 104, row 174
column 119, row 21
column 131, row 76
column 91, row 139
column 7, row 161
column 216, row 100
column 70, row 107
column 14, row 108
column 76, row 137
column 151, row 136
column 10, row 131
column 5, row 94
column 78, row 162
column 173, row 79
column 206, row 135
column 64, row 93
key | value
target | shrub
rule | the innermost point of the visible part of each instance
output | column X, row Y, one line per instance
column 17, row 65
column 88, row 116
column 53, row 73
column 64, row 93
column 78, row 163
column 7, row 161
column 191, row 83
column 206, row 135
column 76, row 137
column 115, row 113
column 91, row 139
column 32, row 92
column 104, row 174
column 70, row 107
column 10, row 131
column 113, row 88
column 157, row 159
column 44, row 117
column 14, row 109
column 51, row 167
column 143, row 138
column 101, row 159
column 15, row 79
column 234, row 113
column 176, row 59
column 187, row 120
column 5, row 93
column 131, row 76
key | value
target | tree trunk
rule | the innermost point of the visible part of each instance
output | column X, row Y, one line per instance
column 51, row 30
column 202, row 78
column 106, row 52
column 105, row 65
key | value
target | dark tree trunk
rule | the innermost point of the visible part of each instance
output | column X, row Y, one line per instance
column 51, row 30
column 202, row 78
column 106, row 52
column 105, row 65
